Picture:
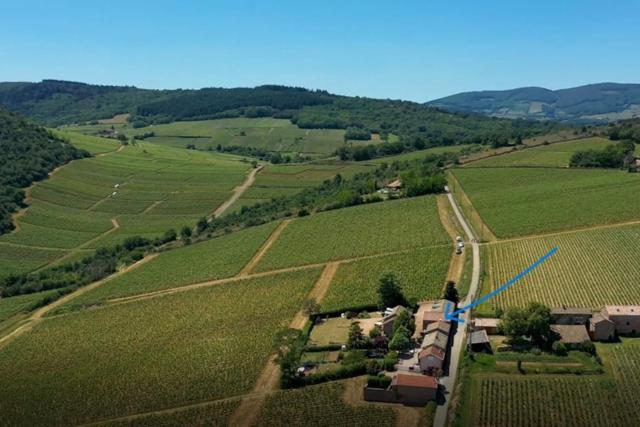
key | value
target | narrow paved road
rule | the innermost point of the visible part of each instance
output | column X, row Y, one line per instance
column 460, row 338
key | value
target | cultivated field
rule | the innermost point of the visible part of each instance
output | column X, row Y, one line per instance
column 358, row 231
column 9, row 307
column 321, row 405
column 80, row 208
column 562, row 400
column 159, row 353
column 267, row 133
column 552, row 155
column 523, row 201
column 421, row 273
column 213, row 259
column 591, row 268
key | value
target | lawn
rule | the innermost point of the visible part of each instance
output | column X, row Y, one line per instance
column 552, row 155
column 357, row 231
column 421, row 273
column 331, row 331
column 590, row 269
column 321, row 405
column 524, row 201
column 212, row 259
column 159, row 353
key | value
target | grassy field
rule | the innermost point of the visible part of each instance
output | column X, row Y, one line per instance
column 164, row 352
column 552, row 155
column 591, row 268
column 218, row 258
column 267, row 133
column 561, row 400
column 421, row 273
column 80, row 207
column 357, row 231
column 321, row 405
column 522, row 201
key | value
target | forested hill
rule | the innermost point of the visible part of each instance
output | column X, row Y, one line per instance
column 29, row 153
column 591, row 103
column 55, row 102
column 406, row 125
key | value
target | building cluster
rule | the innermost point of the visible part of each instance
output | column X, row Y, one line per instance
column 418, row 384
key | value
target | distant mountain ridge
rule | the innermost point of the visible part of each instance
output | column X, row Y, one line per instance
column 601, row 102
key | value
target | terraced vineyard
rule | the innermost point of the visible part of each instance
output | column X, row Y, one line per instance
column 522, row 201
column 421, row 273
column 140, row 190
column 357, row 231
column 218, row 258
column 164, row 352
column 320, row 405
column 564, row 400
column 590, row 269
column 552, row 155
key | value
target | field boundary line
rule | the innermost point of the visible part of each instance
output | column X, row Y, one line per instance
column 560, row 233
column 236, row 278
column 151, row 206
column 39, row 314
column 237, row 192
column 264, row 248
column 247, row 413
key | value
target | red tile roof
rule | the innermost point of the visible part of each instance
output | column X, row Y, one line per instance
column 421, row 381
column 432, row 350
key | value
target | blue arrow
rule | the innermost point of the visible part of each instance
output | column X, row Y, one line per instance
column 454, row 315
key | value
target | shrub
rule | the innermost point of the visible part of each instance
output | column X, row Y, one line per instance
column 559, row 348
column 378, row 381
column 390, row 361
column 373, row 367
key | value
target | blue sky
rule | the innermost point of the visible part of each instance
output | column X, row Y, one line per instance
column 417, row 50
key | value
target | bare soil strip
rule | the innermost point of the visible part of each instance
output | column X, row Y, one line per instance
column 263, row 250
column 248, row 411
column 237, row 192
column 37, row 315
column 250, row 276
column 151, row 206
column 450, row 223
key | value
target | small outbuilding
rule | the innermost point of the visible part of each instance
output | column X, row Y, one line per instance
column 408, row 389
column 571, row 335
column 389, row 319
column 431, row 359
column 570, row 315
column 395, row 185
column 489, row 325
column 479, row 341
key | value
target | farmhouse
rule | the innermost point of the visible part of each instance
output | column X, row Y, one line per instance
column 431, row 359
column 430, row 312
column 570, row 315
column 490, row 326
column 394, row 185
column 440, row 325
column 626, row 318
column 389, row 319
column 437, row 338
column 571, row 335
column 405, row 388
column 601, row 328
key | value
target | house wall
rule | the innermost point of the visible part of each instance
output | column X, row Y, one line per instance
column 603, row 331
column 626, row 325
column 415, row 395
column 379, row 395
column 571, row 319
column 430, row 362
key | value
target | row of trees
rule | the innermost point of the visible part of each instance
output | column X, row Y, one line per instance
column 618, row 155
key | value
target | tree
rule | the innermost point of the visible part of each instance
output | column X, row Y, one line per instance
column 375, row 332
column 356, row 337
column 185, row 232
column 400, row 339
column 514, row 323
column 202, row 225
column 451, row 292
column 404, row 319
column 559, row 348
column 539, row 322
column 389, row 291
